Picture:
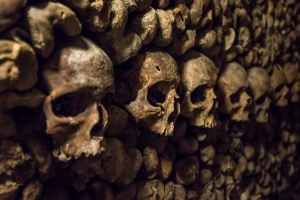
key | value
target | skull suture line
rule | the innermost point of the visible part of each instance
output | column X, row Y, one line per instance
column 198, row 76
column 259, row 89
column 232, row 85
column 155, row 79
column 79, row 78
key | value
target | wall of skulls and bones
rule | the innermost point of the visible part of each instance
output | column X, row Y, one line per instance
column 149, row 99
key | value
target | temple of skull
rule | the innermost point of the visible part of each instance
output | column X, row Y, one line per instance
column 149, row 99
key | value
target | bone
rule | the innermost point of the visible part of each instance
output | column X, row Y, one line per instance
column 199, row 101
column 113, row 160
column 236, row 148
column 50, row 16
column 9, row 190
column 144, row 24
column 33, row 190
column 186, row 170
column 19, row 63
column 280, row 89
column 259, row 89
column 165, row 167
column 232, row 84
column 169, row 190
column 181, row 16
column 195, row 10
column 14, row 160
column 229, row 187
column 180, row 192
column 206, row 39
column 153, row 189
column 82, row 170
column 118, row 42
column 143, row 5
column 249, row 152
column 206, row 19
column 187, row 145
column 116, row 116
column 205, row 176
column 42, row 155
column 229, row 39
column 218, row 178
column 181, row 42
column 164, row 32
column 227, row 164
column 291, row 71
column 93, row 15
column 207, row 154
column 10, row 13
column 133, row 163
column 150, row 162
column 247, row 149
column 161, row 4
column 31, row 98
column 155, row 100
column 89, row 90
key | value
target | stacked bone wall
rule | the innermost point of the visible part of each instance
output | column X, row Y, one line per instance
column 152, row 99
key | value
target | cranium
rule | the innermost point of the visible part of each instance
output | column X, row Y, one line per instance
column 153, row 79
column 259, row 89
column 79, row 77
column 198, row 76
column 278, row 83
column 291, row 72
column 232, row 85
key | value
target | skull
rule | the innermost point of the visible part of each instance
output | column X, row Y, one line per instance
column 278, row 83
column 233, row 98
column 79, row 79
column 291, row 72
column 198, row 76
column 259, row 89
column 154, row 79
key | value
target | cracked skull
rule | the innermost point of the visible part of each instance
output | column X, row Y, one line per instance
column 79, row 80
column 154, row 79
column 233, row 99
column 259, row 89
column 198, row 76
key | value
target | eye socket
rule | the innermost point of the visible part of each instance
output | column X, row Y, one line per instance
column 278, row 88
column 157, row 93
column 71, row 105
column 261, row 99
column 235, row 97
column 199, row 94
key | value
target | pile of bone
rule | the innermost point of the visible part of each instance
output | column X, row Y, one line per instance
column 149, row 99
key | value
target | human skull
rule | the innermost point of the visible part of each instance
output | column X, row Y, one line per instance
column 233, row 98
column 291, row 72
column 78, row 77
column 259, row 89
column 154, row 78
column 278, row 83
column 198, row 76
